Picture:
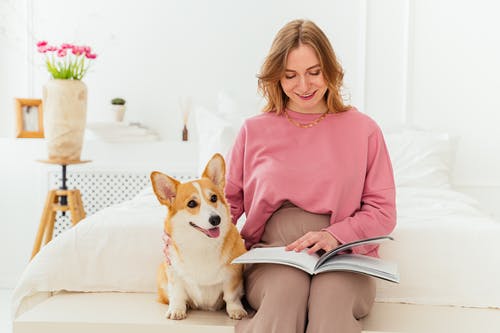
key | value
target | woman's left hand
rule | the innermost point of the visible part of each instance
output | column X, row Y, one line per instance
column 315, row 240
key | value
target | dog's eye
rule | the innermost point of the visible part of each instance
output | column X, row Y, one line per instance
column 213, row 198
column 192, row 204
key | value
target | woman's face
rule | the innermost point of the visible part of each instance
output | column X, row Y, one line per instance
column 303, row 81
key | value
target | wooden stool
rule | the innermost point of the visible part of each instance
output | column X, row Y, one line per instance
column 61, row 200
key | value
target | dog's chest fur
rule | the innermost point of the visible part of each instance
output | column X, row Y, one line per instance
column 201, row 271
column 205, row 297
column 203, row 268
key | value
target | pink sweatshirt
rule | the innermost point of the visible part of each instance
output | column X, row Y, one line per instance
column 340, row 167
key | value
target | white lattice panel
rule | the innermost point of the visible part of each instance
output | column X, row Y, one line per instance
column 101, row 189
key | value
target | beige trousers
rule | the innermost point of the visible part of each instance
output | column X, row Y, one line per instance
column 289, row 300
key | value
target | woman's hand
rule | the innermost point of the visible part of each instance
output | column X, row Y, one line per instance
column 166, row 243
column 316, row 240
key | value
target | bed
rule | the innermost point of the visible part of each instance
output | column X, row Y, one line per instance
column 446, row 247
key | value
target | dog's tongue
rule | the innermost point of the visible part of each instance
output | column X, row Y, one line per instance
column 213, row 233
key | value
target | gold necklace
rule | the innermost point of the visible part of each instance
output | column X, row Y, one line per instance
column 306, row 125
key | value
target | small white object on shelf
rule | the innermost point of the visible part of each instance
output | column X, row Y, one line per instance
column 120, row 132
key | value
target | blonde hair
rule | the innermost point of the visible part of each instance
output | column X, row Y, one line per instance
column 293, row 34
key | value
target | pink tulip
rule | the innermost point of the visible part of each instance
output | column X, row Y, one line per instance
column 70, row 68
column 77, row 50
column 42, row 49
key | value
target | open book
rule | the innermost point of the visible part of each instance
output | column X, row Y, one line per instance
column 334, row 260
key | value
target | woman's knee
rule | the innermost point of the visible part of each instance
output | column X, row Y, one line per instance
column 348, row 291
column 277, row 284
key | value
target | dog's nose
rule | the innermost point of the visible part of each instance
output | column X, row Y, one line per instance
column 214, row 220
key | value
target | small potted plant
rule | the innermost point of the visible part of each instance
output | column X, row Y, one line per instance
column 118, row 107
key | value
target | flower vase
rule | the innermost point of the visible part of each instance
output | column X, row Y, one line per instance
column 65, row 113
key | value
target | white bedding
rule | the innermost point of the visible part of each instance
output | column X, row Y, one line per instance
column 447, row 251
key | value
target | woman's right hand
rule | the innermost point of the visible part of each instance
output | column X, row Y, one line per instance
column 166, row 244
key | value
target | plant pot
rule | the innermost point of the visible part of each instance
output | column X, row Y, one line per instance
column 65, row 113
column 118, row 112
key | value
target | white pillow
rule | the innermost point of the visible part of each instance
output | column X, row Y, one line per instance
column 420, row 158
column 217, row 129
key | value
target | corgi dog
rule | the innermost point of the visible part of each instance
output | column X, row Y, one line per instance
column 203, row 242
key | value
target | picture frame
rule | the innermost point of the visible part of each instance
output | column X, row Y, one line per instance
column 29, row 118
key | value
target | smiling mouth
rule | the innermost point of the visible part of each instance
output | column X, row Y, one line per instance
column 307, row 97
column 212, row 232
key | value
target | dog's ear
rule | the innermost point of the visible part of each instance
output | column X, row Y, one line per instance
column 165, row 187
column 216, row 170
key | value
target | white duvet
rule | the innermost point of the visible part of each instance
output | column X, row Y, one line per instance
column 448, row 253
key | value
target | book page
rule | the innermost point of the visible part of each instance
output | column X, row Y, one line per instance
column 278, row 255
column 361, row 264
column 347, row 246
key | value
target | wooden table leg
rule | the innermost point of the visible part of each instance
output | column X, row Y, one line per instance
column 75, row 206
column 44, row 221
column 46, row 228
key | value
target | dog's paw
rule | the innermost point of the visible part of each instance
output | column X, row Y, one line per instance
column 176, row 314
column 236, row 312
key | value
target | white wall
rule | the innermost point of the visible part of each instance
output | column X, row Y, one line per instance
column 153, row 52
column 434, row 65
column 455, row 75
column 430, row 64
column 455, row 78
column 387, row 30
column 22, row 196
column 13, row 60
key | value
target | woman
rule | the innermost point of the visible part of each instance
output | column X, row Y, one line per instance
column 310, row 172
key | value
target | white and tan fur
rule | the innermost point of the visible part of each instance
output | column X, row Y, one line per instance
column 202, row 245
